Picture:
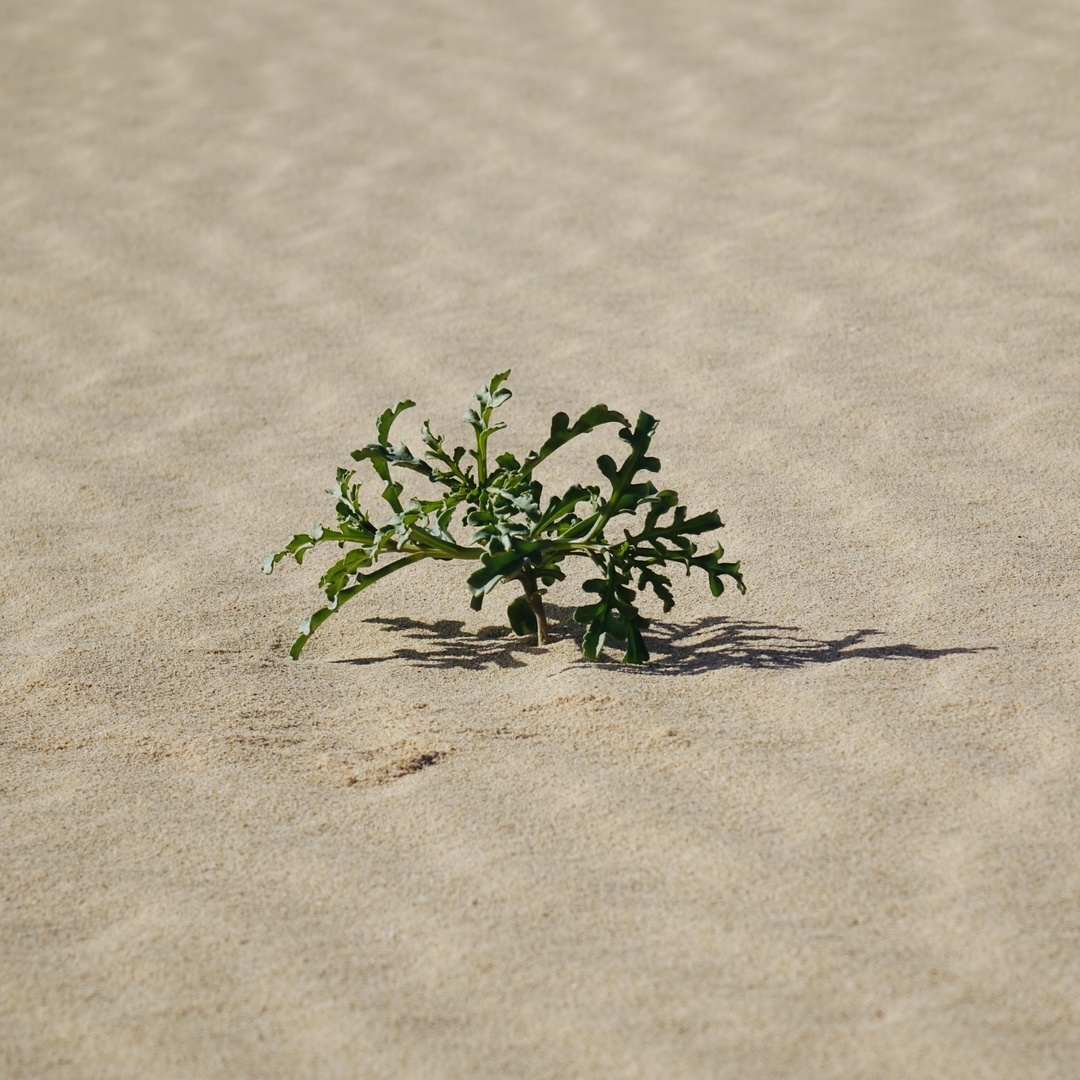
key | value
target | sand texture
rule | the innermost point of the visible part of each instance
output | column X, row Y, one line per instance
column 832, row 832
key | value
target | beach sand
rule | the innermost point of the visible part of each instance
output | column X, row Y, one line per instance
column 832, row 831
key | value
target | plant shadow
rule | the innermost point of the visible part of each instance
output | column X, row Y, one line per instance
column 708, row 644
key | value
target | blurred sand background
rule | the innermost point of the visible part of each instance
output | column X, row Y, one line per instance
column 833, row 831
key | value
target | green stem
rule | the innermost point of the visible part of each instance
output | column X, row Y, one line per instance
column 446, row 550
column 536, row 602
column 481, row 458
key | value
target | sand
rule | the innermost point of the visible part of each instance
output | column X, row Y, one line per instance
column 832, row 831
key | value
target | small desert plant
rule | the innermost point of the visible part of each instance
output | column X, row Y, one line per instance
column 515, row 537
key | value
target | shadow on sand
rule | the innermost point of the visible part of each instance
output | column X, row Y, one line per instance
column 709, row 644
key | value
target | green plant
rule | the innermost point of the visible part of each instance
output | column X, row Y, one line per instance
column 515, row 537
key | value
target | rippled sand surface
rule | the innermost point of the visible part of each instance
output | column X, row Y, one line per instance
column 832, row 831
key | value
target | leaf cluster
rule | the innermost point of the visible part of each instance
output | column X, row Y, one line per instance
column 515, row 532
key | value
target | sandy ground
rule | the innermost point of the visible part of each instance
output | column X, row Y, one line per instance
column 832, row 831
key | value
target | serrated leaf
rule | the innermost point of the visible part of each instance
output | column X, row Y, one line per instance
column 363, row 581
column 562, row 432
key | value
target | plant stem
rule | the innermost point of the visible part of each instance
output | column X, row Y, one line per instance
column 536, row 602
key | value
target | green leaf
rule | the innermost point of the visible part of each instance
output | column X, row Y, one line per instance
column 593, row 641
column 491, row 397
column 363, row 581
column 562, row 432
column 636, row 653
column 398, row 455
column 550, row 574
column 660, row 585
column 296, row 547
column 386, row 420
column 522, row 617
column 561, row 506
column 614, row 614
column 495, row 568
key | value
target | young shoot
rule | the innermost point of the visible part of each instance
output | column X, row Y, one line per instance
column 512, row 533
